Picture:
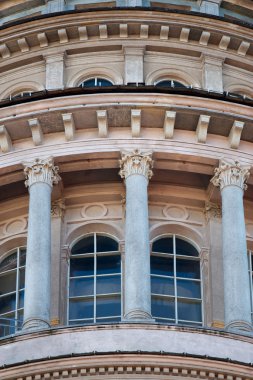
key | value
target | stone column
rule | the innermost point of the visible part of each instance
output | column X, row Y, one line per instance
column 212, row 73
column 134, row 58
column 136, row 169
column 210, row 6
column 55, row 71
column 231, row 177
column 40, row 174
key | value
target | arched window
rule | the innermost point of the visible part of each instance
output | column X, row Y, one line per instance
column 175, row 282
column 21, row 94
column 250, row 257
column 169, row 83
column 96, row 82
column 95, row 281
column 12, row 283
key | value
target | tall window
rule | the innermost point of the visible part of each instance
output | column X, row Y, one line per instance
column 175, row 282
column 95, row 281
column 250, row 256
column 96, row 82
column 12, row 283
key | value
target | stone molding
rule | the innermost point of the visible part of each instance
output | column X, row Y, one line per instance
column 231, row 173
column 212, row 210
column 41, row 170
column 136, row 162
column 151, row 367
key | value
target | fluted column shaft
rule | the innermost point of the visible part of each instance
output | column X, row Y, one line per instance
column 41, row 174
column 136, row 169
column 231, row 178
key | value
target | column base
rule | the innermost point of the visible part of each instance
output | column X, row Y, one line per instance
column 239, row 326
column 137, row 315
column 35, row 324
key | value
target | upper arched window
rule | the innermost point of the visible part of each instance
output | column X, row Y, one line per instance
column 95, row 281
column 12, row 284
column 96, row 82
column 169, row 83
column 175, row 281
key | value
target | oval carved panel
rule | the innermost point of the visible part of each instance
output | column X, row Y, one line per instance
column 94, row 211
column 175, row 212
column 15, row 226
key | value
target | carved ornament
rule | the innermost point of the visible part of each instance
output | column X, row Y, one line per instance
column 212, row 210
column 231, row 173
column 136, row 162
column 41, row 170
column 58, row 208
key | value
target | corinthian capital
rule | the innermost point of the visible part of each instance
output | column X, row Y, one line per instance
column 41, row 170
column 231, row 173
column 136, row 162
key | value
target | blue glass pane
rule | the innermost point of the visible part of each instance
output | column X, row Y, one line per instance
column 81, row 309
column 188, row 268
column 8, row 263
column 100, row 82
column 108, row 264
column 8, row 283
column 82, row 322
column 108, row 320
column 103, row 82
column 170, row 83
column 82, row 266
column 7, row 303
column 163, row 307
column 164, row 245
column 85, row 245
column 189, row 311
column 21, row 278
column 106, row 244
column 89, row 83
column 162, row 266
column 185, row 248
column 160, row 285
column 189, row 289
column 22, row 257
column 21, row 298
column 107, row 306
column 81, row 287
column 108, row 284
column 7, row 325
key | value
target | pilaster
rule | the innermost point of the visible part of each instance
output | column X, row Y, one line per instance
column 134, row 62
column 55, row 71
column 212, row 75
column 210, row 6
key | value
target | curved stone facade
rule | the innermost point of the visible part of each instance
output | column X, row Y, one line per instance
column 131, row 122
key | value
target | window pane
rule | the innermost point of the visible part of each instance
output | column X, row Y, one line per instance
column 81, row 309
column 107, row 306
column 162, row 266
column 185, row 248
column 82, row 266
column 8, row 263
column 85, row 245
column 8, row 283
column 189, row 311
column 81, row 287
column 161, row 285
column 188, row 268
column 82, row 322
column 7, row 303
column 106, row 244
column 7, row 325
column 21, row 298
column 22, row 278
column 108, row 264
column 190, row 289
column 108, row 284
column 164, row 245
column 163, row 307
column 108, row 320
column 22, row 257
column 103, row 82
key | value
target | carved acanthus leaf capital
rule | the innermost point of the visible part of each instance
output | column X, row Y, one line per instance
column 136, row 162
column 231, row 173
column 212, row 210
column 41, row 170
column 58, row 208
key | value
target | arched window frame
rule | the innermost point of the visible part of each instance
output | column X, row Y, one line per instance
column 199, row 259
column 173, row 81
column 11, row 325
column 95, row 254
column 96, row 79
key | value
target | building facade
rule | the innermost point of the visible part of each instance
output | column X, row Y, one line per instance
column 126, row 189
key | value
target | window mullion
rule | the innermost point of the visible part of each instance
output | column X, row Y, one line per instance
column 175, row 277
column 95, row 277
